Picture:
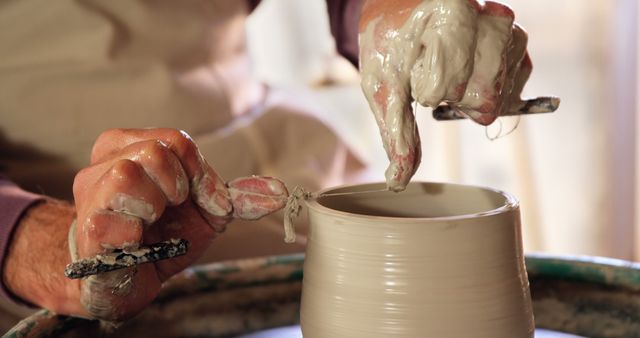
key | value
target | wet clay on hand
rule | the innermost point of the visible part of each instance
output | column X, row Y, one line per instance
column 251, row 197
column 457, row 52
column 146, row 186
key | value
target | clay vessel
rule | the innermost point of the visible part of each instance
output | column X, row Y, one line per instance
column 438, row 260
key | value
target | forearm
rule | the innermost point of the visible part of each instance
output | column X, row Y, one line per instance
column 37, row 255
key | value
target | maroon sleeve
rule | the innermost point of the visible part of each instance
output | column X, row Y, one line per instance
column 343, row 19
column 13, row 202
column 253, row 4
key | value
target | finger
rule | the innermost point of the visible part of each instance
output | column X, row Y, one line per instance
column 127, row 192
column 446, row 63
column 112, row 141
column 513, row 82
column 515, row 55
column 520, row 79
column 385, row 83
column 105, row 230
column 255, row 197
column 124, row 197
column 160, row 164
column 393, row 14
column 481, row 98
column 207, row 188
column 391, row 106
column 126, row 188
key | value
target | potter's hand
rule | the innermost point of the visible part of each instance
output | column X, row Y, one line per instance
column 146, row 186
column 469, row 56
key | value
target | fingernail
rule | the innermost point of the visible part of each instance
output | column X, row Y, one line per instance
column 264, row 185
column 255, row 197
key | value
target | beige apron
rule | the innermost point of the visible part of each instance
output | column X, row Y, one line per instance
column 72, row 69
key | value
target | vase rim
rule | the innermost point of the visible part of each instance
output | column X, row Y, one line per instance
column 511, row 203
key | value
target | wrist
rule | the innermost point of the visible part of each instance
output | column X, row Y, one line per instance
column 37, row 255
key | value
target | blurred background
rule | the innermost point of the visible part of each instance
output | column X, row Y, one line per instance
column 83, row 66
column 574, row 171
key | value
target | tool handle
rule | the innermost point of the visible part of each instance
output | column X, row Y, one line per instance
column 539, row 105
column 123, row 258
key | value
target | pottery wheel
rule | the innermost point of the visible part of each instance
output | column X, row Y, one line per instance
column 294, row 332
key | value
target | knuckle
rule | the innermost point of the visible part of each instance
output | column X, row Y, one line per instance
column 125, row 170
column 475, row 5
column 181, row 142
column 160, row 163
column 520, row 34
column 80, row 182
column 497, row 9
column 109, row 133
column 155, row 151
column 103, row 140
column 106, row 135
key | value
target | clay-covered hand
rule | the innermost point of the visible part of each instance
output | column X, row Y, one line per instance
column 145, row 186
column 458, row 52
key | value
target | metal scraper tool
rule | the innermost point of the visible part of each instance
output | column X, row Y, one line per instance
column 539, row 105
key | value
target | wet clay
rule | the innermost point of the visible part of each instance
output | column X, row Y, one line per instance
column 469, row 56
column 438, row 260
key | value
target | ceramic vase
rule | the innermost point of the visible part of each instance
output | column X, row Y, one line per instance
column 437, row 260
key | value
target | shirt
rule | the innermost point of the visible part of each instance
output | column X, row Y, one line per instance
column 343, row 15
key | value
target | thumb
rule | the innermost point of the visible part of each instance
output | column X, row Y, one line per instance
column 391, row 105
column 116, row 295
